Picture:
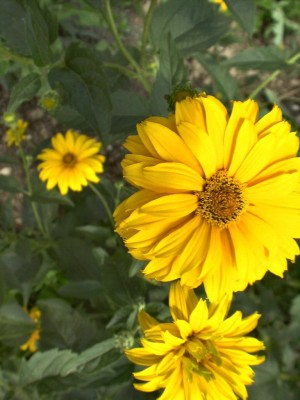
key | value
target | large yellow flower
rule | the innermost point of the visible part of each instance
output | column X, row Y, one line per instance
column 201, row 355
column 219, row 198
column 72, row 163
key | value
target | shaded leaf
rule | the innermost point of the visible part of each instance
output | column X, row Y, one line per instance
column 244, row 12
column 9, row 184
column 24, row 90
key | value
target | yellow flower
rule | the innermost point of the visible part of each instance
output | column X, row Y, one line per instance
column 222, row 4
column 72, row 163
column 219, row 195
column 16, row 134
column 201, row 354
column 31, row 344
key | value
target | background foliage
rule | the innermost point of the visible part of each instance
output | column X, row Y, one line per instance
column 100, row 67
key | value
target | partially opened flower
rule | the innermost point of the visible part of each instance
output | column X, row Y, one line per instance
column 72, row 163
column 219, row 196
column 31, row 344
column 222, row 3
column 201, row 354
column 16, row 133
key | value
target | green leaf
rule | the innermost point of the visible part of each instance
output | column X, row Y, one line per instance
column 83, row 87
column 15, row 325
column 62, row 363
column 64, row 327
column 267, row 58
column 225, row 83
column 172, row 72
column 124, row 119
column 9, row 184
column 24, row 90
column 12, row 27
column 37, row 33
column 194, row 25
column 85, row 290
column 244, row 12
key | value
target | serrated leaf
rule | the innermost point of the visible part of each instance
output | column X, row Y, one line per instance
column 24, row 90
column 194, row 25
column 10, row 184
column 244, row 12
column 267, row 58
column 60, row 363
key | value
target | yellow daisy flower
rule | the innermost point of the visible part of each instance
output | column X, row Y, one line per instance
column 222, row 3
column 31, row 344
column 219, row 195
column 201, row 354
column 16, row 134
column 72, row 163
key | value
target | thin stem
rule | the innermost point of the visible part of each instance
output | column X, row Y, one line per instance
column 113, row 28
column 274, row 74
column 104, row 203
column 7, row 54
column 147, row 23
column 29, row 188
column 124, row 70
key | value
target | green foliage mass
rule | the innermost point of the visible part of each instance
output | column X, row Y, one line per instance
column 108, row 65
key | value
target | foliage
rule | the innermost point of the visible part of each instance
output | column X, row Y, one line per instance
column 100, row 67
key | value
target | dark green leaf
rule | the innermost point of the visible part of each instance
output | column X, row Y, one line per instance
column 81, row 290
column 24, row 90
column 12, row 27
column 244, row 12
column 224, row 82
column 171, row 73
column 37, row 33
column 263, row 58
column 9, row 184
column 195, row 25
column 15, row 325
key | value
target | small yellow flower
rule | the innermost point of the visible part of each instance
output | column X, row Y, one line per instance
column 50, row 101
column 218, row 198
column 16, row 133
column 222, row 4
column 73, row 161
column 31, row 344
column 201, row 354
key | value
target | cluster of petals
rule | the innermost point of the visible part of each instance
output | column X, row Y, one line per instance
column 73, row 161
column 202, row 354
column 218, row 195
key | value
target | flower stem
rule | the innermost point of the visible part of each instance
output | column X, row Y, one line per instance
column 274, row 74
column 145, row 34
column 29, row 192
column 104, row 203
column 113, row 28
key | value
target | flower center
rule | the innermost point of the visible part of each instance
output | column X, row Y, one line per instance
column 222, row 199
column 69, row 159
column 197, row 354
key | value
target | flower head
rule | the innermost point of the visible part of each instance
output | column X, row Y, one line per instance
column 72, row 163
column 201, row 354
column 219, row 196
column 16, row 133
column 222, row 3
column 31, row 344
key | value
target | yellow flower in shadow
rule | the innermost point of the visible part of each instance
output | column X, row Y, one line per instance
column 31, row 344
column 16, row 133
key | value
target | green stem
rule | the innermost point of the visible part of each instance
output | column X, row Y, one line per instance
column 147, row 23
column 7, row 54
column 104, row 203
column 274, row 74
column 29, row 188
column 113, row 28
column 124, row 70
